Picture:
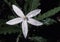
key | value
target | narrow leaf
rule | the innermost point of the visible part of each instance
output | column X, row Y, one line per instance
column 49, row 13
column 31, row 5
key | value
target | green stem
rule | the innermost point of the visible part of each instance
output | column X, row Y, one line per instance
column 9, row 4
column 17, row 40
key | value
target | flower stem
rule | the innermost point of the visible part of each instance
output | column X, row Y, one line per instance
column 17, row 40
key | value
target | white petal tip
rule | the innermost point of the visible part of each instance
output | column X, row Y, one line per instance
column 13, row 5
column 6, row 22
column 9, row 23
column 39, row 10
column 41, row 24
column 25, row 37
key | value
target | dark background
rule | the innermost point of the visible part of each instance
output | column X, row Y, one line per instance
column 51, row 32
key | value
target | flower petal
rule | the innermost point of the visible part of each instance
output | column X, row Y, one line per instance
column 33, row 13
column 18, row 11
column 25, row 28
column 34, row 22
column 14, row 21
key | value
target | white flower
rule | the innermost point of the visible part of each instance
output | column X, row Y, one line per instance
column 25, row 19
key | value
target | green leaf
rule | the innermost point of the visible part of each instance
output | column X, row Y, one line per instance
column 9, row 29
column 49, row 21
column 38, row 39
column 49, row 13
column 9, row 2
column 31, row 5
column 34, row 4
column 4, row 28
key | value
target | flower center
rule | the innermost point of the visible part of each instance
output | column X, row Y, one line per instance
column 25, row 18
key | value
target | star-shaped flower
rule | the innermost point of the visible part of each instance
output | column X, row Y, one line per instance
column 25, row 19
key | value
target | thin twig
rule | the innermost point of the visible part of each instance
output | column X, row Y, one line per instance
column 17, row 40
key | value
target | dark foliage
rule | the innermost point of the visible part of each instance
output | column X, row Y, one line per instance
column 51, row 32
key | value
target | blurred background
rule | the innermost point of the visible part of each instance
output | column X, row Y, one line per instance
column 49, row 33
